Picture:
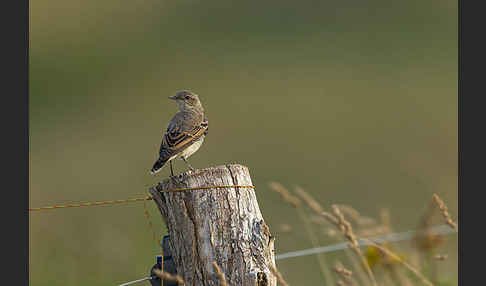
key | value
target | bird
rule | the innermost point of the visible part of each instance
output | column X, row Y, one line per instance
column 185, row 132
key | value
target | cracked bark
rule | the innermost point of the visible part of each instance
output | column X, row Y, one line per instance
column 222, row 225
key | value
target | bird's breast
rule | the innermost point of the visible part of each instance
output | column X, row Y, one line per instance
column 193, row 148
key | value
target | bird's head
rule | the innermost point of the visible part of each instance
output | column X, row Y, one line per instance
column 187, row 101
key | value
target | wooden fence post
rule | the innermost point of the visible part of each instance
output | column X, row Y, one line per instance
column 221, row 225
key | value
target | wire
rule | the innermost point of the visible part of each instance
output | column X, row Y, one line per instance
column 146, row 198
column 104, row 203
column 441, row 229
column 137, row 281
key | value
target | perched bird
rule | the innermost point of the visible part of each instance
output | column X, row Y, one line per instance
column 185, row 133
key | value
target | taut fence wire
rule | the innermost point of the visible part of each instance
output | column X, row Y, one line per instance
column 146, row 198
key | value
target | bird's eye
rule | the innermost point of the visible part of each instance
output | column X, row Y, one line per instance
column 187, row 97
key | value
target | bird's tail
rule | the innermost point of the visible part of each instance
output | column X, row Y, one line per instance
column 157, row 166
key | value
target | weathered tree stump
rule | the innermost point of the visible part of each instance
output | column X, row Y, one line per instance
column 221, row 225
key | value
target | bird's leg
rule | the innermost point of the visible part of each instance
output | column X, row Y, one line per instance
column 171, row 170
column 190, row 167
column 172, row 177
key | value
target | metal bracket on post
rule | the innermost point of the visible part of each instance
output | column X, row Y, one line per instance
column 169, row 265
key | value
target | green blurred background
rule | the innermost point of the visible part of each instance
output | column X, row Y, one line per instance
column 355, row 101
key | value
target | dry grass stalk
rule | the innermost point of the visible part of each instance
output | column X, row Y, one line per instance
column 357, row 265
column 220, row 273
column 345, row 227
column 363, row 276
column 315, row 206
column 278, row 275
column 394, row 256
column 330, row 218
column 345, row 274
column 444, row 211
column 309, row 200
column 347, row 230
column 167, row 276
column 319, row 220
column 355, row 216
column 424, row 239
column 296, row 202
column 284, row 193
column 440, row 257
column 366, row 225
column 342, row 271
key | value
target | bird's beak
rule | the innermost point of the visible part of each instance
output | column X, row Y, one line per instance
column 172, row 97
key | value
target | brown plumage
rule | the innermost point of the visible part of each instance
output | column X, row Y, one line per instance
column 185, row 133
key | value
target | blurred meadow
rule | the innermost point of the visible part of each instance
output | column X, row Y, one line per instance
column 354, row 101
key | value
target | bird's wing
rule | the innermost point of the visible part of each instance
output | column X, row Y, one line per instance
column 182, row 131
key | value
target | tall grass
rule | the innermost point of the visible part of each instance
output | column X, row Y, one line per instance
column 377, row 263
